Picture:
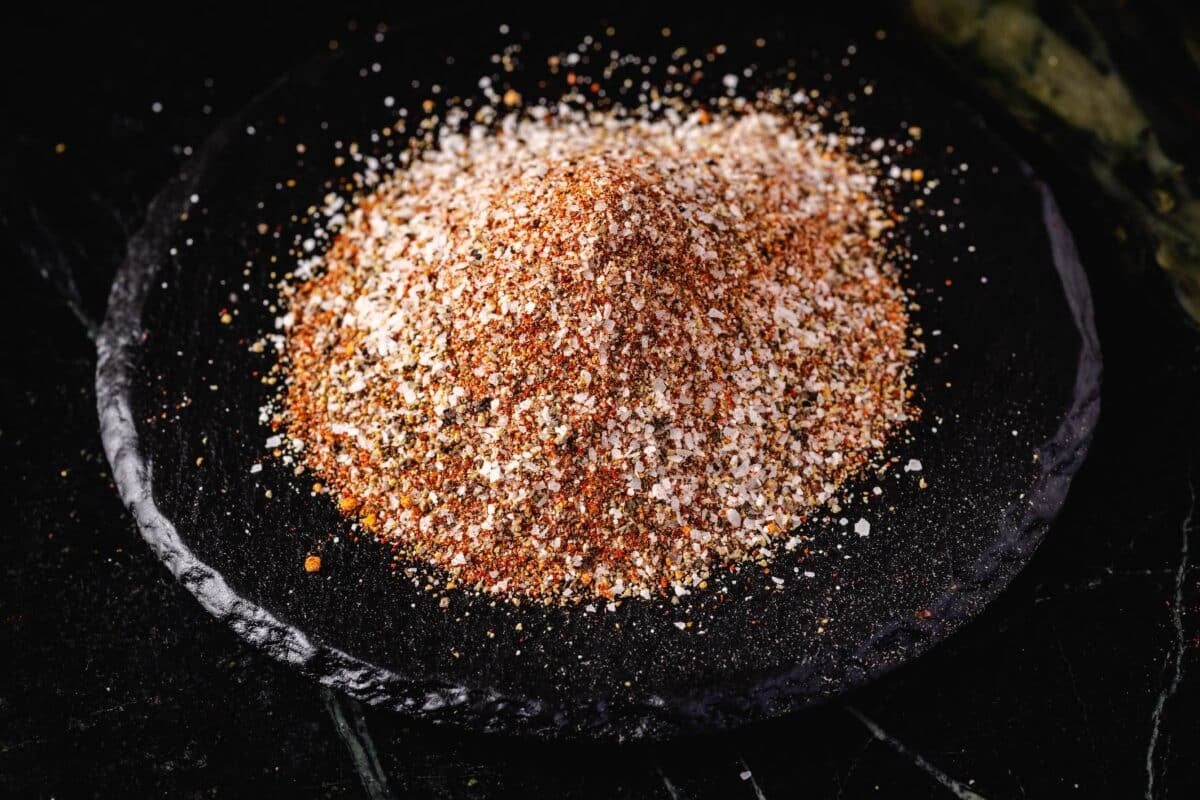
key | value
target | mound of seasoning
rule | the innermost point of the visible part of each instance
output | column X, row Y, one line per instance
column 593, row 355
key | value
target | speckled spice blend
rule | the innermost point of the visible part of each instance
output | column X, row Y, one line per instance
column 575, row 354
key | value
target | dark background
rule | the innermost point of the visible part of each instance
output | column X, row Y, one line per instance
column 1080, row 680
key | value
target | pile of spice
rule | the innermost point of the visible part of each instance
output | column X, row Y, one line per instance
column 578, row 355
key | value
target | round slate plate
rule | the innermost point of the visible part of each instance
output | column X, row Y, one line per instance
column 1008, row 383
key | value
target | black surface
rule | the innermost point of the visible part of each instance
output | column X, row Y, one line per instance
column 1008, row 392
column 115, row 681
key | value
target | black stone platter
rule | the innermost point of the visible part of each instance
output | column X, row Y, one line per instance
column 1008, row 384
